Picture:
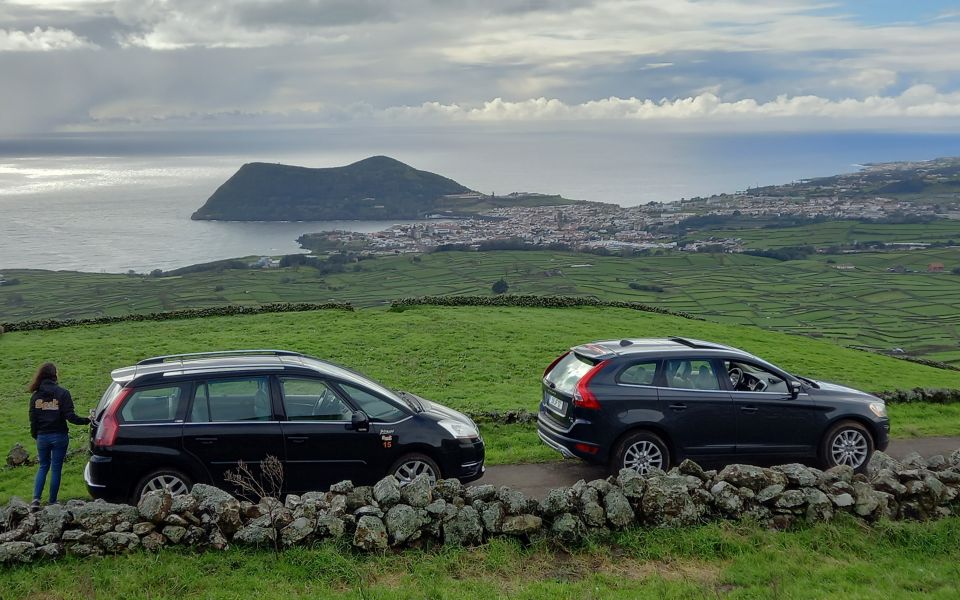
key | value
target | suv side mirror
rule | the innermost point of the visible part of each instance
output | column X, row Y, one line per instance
column 359, row 421
column 795, row 388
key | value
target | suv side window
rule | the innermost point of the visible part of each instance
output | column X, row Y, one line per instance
column 240, row 399
column 153, row 405
column 691, row 374
column 639, row 374
column 378, row 409
column 306, row 399
column 748, row 377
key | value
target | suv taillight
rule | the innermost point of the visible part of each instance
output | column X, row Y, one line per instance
column 109, row 426
column 554, row 363
column 582, row 396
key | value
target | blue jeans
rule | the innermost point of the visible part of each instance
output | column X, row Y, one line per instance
column 51, row 450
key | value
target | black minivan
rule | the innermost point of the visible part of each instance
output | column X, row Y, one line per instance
column 171, row 421
column 650, row 403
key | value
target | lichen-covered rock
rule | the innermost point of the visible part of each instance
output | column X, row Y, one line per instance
column 819, row 506
column 252, row 535
column 464, row 528
column 220, row 505
column 667, row 502
column 937, row 462
column 601, row 485
column 619, row 512
column 84, row 550
column 492, row 514
column 448, row 489
column 797, row 474
column 361, row 495
column 514, row 501
column 292, row 502
column 115, row 543
column 175, row 520
column 885, row 480
column 51, row 551
column 342, row 487
column 100, row 517
column 632, row 484
column 521, row 524
column 16, row 552
column 371, row 534
column 751, row 477
column 368, row 510
column 418, row 493
column 836, row 474
column 913, row 460
column 568, row 528
column 43, row 538
column 480, row 492
column 53, row 519
column 436, row 508
column 331, row 525
column 688, row 467
column 789, row 499
column 590, row 509
column 880, row 461
column 297, row 531
column 183, row 504
column 866, row 501
column 769, row 493
column 143, row 528
column 215, row 540
column 18, row 456
column 77, row 536
column 174, row 533
column 155, row 506
column 387, row 492
column 403, row 523
column 153, row 541
column 557, row 501
column 844, row 500
column 727, row 499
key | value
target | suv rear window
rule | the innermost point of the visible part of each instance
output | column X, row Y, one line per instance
column 568, row 372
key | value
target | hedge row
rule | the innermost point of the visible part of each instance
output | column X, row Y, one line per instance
column 931, row 395
column 533, row 302
column 186, row 313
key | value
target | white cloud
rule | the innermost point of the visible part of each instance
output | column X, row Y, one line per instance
column 41, row 40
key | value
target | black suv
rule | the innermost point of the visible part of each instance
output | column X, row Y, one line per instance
column 650, row 403
column 172, row 421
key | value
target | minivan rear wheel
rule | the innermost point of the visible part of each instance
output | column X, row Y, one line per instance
column 410, row 466
column 171, row 480
column 641, row 451
column 847, row 443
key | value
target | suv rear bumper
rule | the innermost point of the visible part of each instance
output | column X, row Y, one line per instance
column 565, row 445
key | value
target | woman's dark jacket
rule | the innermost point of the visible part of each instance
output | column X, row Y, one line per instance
column 50, row 408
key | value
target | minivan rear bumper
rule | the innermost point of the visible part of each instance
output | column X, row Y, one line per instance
column 101, row 483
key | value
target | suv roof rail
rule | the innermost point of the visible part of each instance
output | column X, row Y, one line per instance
column 221, row 353
column 693, row 343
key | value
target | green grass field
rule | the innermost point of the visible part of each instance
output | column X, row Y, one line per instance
column 472, row 359
column 731, row 560
column 834, row 233
column 867, row 306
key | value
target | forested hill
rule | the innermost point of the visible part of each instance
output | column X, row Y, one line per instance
column 378, row 187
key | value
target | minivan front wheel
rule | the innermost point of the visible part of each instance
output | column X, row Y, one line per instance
column 641, row 451
column 410, row 466
column 171, row 480
column 847, row 443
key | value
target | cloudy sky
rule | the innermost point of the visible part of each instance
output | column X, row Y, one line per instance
column 95, row 66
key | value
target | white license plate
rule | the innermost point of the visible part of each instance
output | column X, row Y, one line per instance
column 556, row 404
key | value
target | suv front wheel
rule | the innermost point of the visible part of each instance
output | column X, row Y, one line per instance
column 641, row 451
column 171, row 480
column 847, row 443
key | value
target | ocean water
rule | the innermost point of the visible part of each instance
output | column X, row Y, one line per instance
column 117, row 206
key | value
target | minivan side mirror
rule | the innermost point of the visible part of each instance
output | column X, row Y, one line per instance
column 795, row 388
column 359, row 421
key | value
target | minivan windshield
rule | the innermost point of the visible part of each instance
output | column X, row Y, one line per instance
column 568, row 372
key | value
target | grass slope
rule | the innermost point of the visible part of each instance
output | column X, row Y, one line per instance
column 866, row 306
column 843, row 559
column 472, row 359
column 833, row 233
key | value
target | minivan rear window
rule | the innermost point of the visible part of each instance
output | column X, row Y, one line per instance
column 568, row 372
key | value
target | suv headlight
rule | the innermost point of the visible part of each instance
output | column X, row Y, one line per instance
column 459, row 429
column 879, row 409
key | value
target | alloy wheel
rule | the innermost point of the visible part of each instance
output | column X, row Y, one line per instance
column 849, row 447
column 170, row 483
column 642, row 457
column 412, row 469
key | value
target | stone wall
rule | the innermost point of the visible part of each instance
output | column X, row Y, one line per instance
column 375, row 518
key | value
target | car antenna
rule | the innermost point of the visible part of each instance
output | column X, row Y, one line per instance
column 625, row 343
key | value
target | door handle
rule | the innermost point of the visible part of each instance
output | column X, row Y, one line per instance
column 297, row 439
column 206, row 440
column 748, row 409
column 678, row 407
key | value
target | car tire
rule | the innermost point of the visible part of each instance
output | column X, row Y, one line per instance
column 173, row 480
column 409, row 466
column 641, row 451
column 847, row 443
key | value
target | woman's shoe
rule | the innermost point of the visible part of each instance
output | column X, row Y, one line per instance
column 35, row 505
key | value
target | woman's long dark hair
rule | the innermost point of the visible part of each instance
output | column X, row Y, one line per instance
column 46, row 371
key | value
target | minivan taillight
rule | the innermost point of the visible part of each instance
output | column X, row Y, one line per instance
column 109, row 425
column 554, row 363
column 582, row 396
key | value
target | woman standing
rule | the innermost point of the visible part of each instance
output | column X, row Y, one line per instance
column 50, row 408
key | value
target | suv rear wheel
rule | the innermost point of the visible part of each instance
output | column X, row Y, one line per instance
column 410, row 466
column 847, row 443
column 170, row 480
column 641, row 451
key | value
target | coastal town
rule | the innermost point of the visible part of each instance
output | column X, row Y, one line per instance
column 895, row 191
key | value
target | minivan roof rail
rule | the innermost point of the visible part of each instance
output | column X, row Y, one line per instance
column 221, row 353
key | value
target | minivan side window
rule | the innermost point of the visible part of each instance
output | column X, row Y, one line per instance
column 691, row 374
column 639, row 374
column 153, row 405
column 306, row 399
column 241, row 399
column 378, row 409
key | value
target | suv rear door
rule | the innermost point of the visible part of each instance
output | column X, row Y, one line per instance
column 230, row 420
column 698, row 411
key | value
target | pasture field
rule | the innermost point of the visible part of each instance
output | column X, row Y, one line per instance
column 833, row 233
column 866, row 305
column 472, row 359
column 731, row 560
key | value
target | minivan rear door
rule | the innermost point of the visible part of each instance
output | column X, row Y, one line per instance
column 232, row 420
